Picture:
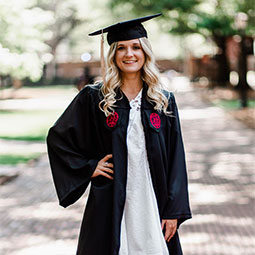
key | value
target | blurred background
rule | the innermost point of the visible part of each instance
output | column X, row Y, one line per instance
column 205, row 53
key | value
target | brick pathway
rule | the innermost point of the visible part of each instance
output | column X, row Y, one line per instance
column 220, row 158
column 220, row 154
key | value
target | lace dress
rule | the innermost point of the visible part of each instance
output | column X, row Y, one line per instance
column 141, row 232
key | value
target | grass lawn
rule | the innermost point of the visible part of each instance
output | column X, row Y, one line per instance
column 31, row 119
column 233, row 104
column 28, row 117
column 13, row 159
column 27, row 125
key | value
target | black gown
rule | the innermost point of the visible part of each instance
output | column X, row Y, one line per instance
column 83, row 135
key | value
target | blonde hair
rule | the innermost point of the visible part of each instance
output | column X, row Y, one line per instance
column 150, row 75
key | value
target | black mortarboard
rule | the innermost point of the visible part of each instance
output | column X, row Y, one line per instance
column 126, row 30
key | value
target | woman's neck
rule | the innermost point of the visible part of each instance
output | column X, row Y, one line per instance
column 131, row 83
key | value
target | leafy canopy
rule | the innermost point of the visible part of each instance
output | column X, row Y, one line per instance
column 22, row 35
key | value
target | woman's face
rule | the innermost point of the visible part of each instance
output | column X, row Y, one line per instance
column 129, row 56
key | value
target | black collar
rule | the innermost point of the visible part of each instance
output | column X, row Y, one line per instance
column 123, row 102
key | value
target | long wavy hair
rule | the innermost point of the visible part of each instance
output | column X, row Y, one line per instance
column 149, row 74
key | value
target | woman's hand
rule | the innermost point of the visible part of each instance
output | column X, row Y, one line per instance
column 170, row 226
column 104, row 167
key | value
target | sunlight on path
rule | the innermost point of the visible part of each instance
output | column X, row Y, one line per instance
column 220, row 160
column 16, row 147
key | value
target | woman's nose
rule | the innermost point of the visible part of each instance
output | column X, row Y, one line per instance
column 129, row 52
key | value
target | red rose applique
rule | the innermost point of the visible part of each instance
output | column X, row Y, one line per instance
column 112, row 119
column 155, row 120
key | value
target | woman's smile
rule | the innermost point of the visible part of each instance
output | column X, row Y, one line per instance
column 129, row 56
column 129, row 61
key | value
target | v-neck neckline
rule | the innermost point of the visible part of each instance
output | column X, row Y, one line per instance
column 134, row 97
column 123, row 102
column 139, row 93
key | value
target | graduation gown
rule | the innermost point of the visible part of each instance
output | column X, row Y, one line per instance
column 83, row 135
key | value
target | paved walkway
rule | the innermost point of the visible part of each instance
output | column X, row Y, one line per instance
column 220, row 158
column 220, row 154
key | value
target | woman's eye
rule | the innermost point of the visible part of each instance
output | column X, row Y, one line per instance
column 136, row 47
column 120, row 48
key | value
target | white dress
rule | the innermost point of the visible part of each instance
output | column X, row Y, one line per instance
column 141, row 232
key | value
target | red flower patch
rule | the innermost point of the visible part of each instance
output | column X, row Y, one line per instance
column 112, row 119
column 155, row 120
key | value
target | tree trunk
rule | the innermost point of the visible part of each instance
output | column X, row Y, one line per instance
column 242, row 85
column 50, row 70
column 222, row 61
column 50, row 73
column 242, row 67
column 17, row 84
column 1, row 88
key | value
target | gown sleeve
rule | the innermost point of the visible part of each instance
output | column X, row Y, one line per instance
column 71, row 146
column 177, row 206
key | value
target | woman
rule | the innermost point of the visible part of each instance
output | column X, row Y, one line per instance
column 124, row 137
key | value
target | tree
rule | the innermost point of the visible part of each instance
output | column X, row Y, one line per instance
column 22, row 39
column 66, row 19
column 212, row 19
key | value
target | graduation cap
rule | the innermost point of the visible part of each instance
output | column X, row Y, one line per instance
column 122, row 31
column 126, row 30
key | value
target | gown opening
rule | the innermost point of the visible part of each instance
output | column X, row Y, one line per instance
column 141, row 232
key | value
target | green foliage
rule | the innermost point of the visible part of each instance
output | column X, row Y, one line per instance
column 69, row 16
column 150, row 6
column 207, row 17
column 248, row 6
column 233, row 104
column 29, row 138
column 14, row 159
column 22, row 35
column 219, row 25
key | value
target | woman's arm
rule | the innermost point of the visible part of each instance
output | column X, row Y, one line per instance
column 71, row 149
